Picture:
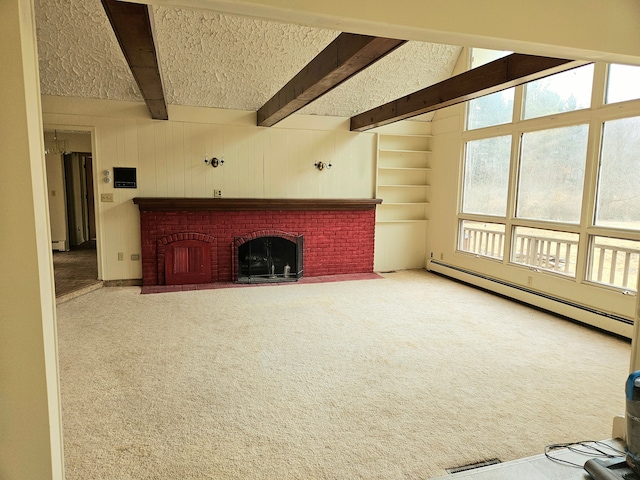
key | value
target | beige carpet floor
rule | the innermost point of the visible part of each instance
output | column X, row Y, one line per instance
column 396, row 378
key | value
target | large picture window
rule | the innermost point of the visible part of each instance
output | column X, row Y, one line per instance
column 562, row 92
column 552, row 166
column 494, row 109
column 486, row 176
column 482, row 238
column 614, row 262
column 545, row 249
column 618, row 202
column 551, row 182
column 623, row 83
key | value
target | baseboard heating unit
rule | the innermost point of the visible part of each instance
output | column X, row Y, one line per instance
column 529, row 296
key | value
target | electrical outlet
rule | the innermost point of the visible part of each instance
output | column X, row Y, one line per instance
column 217, row 193
column 120, row 256
column 106, row 197
column 530, row 281
column 442, row 256
column 135, row 256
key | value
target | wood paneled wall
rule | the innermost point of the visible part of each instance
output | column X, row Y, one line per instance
column 274, row 162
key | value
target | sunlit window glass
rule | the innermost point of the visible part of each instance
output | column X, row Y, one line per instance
column 486, row 176
column 614, row 262
column 623, row 83
column 618, row 203
column 482, row 56
column 552, row 166
column 482, row 238
column 494, row 109
column 545, row 249
column 562, row 92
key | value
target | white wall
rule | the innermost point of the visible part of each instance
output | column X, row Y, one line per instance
column 57, row 208
column 260, row 162
column 584, row 29
column 30, row 423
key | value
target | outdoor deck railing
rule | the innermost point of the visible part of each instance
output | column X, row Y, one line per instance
column 610, row 264
column 553, row 254
column 615, row 265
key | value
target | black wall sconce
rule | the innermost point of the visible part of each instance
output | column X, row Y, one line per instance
column 214, row 162
column 321, row 165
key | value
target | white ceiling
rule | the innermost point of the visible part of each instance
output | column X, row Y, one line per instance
column 221, row 61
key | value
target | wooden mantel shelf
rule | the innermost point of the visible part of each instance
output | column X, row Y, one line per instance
column 164, row 204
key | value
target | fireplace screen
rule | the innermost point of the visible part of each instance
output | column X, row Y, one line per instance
column 270, row 259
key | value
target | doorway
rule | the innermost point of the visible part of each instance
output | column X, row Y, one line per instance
column 70, row 183
column 81, row 219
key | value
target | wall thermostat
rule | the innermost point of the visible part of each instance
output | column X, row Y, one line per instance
column 124, row 177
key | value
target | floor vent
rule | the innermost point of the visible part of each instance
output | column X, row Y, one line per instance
column 471, row 466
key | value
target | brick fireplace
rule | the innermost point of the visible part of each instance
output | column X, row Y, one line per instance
column 196, row 240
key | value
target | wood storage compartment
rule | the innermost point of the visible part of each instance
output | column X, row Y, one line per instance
column 187, row 262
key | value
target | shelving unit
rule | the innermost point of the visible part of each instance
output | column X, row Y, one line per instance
column 403, row 183
column 403, row 177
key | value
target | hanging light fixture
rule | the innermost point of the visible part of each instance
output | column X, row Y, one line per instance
column 57, row 147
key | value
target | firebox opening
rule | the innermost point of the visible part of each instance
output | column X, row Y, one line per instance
column 269, row 259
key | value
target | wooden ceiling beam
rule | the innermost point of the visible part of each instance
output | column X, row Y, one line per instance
column 131, row 23
column 347, row 55
column 506, row 72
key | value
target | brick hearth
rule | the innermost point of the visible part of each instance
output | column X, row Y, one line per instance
column 338, row 234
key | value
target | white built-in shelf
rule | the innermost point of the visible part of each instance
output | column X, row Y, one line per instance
column 397, row 150
column 421, row 169
column 403, row 178
column 423, row 135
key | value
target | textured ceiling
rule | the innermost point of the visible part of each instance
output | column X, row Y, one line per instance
column 230, row 62
column 79, row 55
column 221, row 61
column 413, row 66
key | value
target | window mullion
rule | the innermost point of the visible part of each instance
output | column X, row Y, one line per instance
column 513, row 186
column 599, row 85
column 589, row 195
column 517, row 104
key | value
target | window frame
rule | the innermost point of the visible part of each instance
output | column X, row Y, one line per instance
column 519, row 170
column 591, row 261
column 606, row 87
column 595, row 116
column 462, row 180
column 524, row 95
